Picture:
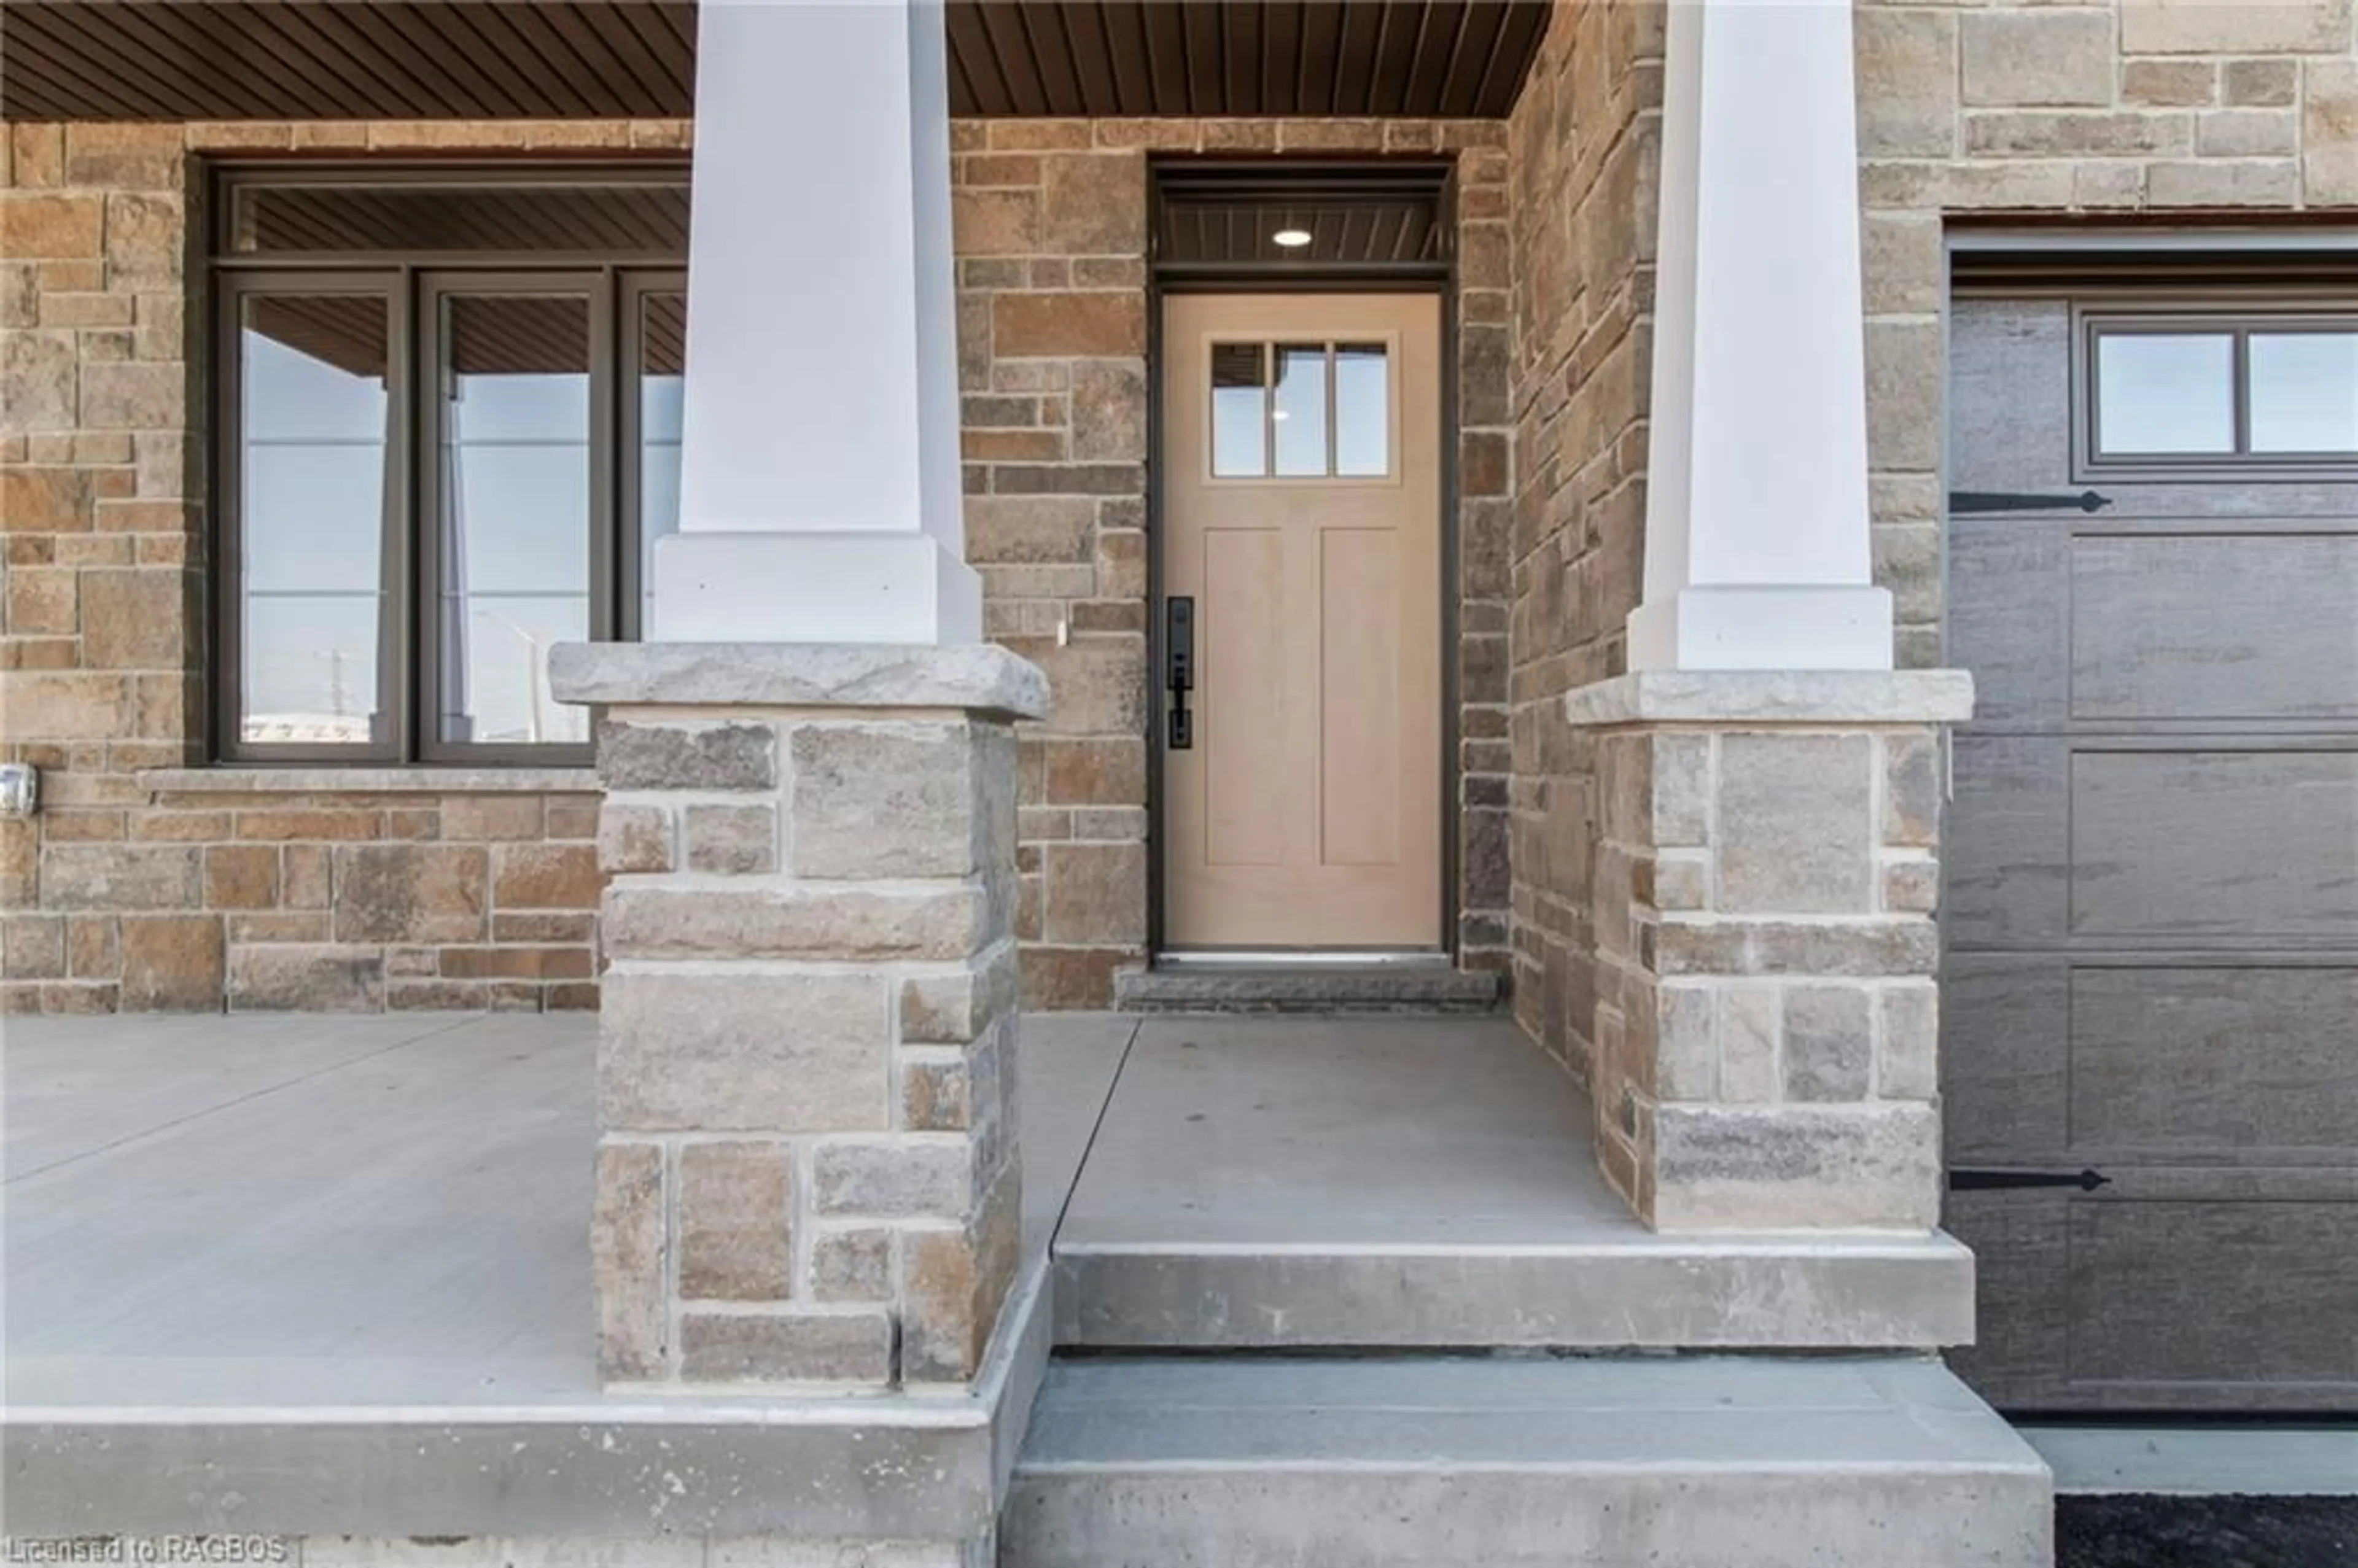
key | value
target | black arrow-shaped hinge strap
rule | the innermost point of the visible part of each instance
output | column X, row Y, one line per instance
column 1968, row 501
column 1968, row 1178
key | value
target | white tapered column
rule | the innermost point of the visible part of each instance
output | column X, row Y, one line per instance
column 1756, row 547
column 820, row 465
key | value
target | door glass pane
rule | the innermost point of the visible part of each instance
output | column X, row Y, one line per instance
column 1363, row 410
column 1239, row 411
column 514, row 491
column 312, row 412
column 2165, row 393
column 1300, row 414
column 2304, row 391
column 663, row 356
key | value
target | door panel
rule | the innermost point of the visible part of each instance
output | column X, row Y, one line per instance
column 2151, row 907
column 1307, row 812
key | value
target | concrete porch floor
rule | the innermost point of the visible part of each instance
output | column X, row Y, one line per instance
column 285, row 1211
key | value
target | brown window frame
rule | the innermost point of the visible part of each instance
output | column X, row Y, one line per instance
column 413, row 284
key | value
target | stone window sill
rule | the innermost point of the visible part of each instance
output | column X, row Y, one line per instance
column 369, row 781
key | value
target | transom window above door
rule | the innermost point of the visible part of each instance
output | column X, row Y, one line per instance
column 447, row 433
column 1302, row 410
column 2184, row 393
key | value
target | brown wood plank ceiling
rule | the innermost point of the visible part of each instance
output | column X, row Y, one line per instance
column 459, row 60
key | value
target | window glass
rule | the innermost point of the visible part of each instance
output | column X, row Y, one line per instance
column 663, row 357
column 313, row 406
column 1363, row 410
column 2304, row 391
column 2163, row 394
column 514, row 511
column 1299, row 414
column 1239, row 411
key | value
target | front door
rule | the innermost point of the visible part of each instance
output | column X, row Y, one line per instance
column 2152, row 894
column 1302, row 544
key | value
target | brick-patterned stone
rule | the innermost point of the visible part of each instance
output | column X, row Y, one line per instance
column 893, row 1178
column 731, row 839
column 2038, row 57
column 127, row 877
column 1794, row 828
column 33, row 947
column 1828, row 1042
column 747, row 1052
column 171, row 963
column 2330, row 132
column 809, row 921
column 133, row 620
column 300, row 977
column 852, row 1264
column 735, row 1223
column 1096, row 893
column 842, row 1346
column 1068, row 323
column 241, row 876
column 1907, row 78
column 687, row 756
column 410, row 892
column 892, row 800
column 545, row 876
column 627, row 1251
column 2256, row 26
column 37, row 227
column 954, row 1281
column 1093, row 203
column 636, row 838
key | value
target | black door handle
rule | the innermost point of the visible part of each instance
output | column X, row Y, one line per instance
column 1179, row 666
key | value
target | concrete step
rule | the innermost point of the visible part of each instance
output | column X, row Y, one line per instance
column 1427, row 1184
column 1307, row 988
column 1435, row 1463
column 1624, row 1288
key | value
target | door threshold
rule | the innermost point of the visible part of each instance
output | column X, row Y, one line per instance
column 1305, row 983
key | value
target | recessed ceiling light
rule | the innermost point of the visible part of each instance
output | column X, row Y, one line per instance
column 1292, row 239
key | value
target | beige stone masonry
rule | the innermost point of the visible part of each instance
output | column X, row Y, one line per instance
column 806, row 1168
column 1767, row 1008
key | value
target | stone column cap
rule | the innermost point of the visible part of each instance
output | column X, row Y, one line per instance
column 1775, row 697
column 978, row 677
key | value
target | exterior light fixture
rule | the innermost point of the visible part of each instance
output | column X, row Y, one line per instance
column 1290, row 239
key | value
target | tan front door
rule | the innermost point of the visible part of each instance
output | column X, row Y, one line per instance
column 1302, row 516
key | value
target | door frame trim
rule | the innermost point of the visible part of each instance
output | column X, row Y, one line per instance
column 1306, row 178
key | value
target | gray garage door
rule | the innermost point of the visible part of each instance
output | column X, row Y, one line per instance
column 2152, row 897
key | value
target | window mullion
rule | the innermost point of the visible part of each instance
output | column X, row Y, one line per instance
column 605, row 487
column 397, row 620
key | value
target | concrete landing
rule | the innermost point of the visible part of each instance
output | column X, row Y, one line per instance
column 1277, row 1183
column 1708, row 1463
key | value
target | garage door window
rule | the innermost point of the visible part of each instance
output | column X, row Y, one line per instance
column 2180, row 395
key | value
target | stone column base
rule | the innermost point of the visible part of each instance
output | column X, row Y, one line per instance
column 806, row 1168
column 1768, row 1006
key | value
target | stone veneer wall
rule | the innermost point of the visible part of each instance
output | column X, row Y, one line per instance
column 2110, row 111
column 1975, row 110
column 1583, row 142
column 1051, row 218
column 121, row 895
column 118, row 895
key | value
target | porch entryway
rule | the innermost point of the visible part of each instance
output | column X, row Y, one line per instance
column 283, row 1274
